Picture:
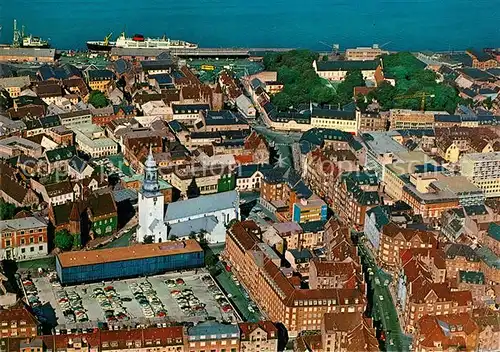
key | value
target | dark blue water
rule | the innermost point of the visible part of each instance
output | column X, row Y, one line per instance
column 403, row 24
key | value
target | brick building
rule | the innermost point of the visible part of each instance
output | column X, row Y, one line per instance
column 258, row 268
column 18, row 321
column 395, row 239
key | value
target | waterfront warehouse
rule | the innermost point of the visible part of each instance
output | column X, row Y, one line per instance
column 125, row 262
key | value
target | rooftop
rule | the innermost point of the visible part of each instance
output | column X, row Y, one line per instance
column 22, row 223
column 202, row 205
column 347, row 65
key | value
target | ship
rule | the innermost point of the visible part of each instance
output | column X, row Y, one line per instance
column 103, row 45
column 27, row 41
column 138, row 41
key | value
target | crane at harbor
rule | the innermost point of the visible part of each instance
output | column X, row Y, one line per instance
column 107, row 38
column 421, row 95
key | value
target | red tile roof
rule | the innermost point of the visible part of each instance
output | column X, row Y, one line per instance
column 451, row 330
column 248, row 328
column 19, row 312
column 245, row 233
column 243, row 159
column 393, row 230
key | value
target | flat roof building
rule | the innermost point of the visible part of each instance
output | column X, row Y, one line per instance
column 138, row 260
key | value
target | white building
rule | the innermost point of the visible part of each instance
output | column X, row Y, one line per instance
column 75, row 118
column 249, row 177
column 337, row 70
column 157, row 108
column 151, row 205
column 188, row 113
column 483, row 170
column 245, row 107
column 92, row 140
column 219, row 208
column 78, row 169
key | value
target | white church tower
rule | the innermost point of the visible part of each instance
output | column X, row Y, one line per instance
column 151, row 205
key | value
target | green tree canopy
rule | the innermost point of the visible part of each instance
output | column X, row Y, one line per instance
column 412, row 79
column 98, row 99
column 7, row 210
column 63, row 240
column 345, row 90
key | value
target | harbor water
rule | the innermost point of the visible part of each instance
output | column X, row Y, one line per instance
column 314, row 24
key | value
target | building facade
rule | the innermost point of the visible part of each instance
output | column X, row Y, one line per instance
column 22, row 239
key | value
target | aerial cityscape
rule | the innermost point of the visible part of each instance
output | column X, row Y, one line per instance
column 162, row 193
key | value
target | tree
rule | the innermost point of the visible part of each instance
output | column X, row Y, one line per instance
column 63, row 240
column 412, row 79
column 7, row 210
column 345, row 90
column 6, row 101
column 488, row 103
column 193, row 190
column 98, row 99
column 211, row 260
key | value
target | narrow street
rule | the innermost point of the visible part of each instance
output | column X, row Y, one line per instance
column 383, row 309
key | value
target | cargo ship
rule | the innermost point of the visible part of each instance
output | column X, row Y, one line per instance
column 104, row 45
column 27, row 41
column 138, row 41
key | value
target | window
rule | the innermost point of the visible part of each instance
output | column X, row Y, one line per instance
column 32, row 249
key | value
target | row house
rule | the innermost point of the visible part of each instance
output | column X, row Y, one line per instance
column 330, row 274
column 204, row 336
column 348, row 332
column 13, row 190
column 490, row 265
column 474, row 282
column 434, row 299
column 488, row 323
column 460, row 257
column 422, row 261
column 18, row 322
column 57, row 193
column 338, row 243
column 355, row 194
column 258, row 337
column 323, row 167
column 492, row 238
column 213, row 336
column 448, row 332
column 395, row 239
column 258, row 269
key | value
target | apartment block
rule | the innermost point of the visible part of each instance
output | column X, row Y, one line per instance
column 483, row 169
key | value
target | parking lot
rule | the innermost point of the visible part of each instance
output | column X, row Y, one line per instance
column 188, row 296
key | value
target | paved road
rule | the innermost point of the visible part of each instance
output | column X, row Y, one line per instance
column 383, row 309
column 282, row 141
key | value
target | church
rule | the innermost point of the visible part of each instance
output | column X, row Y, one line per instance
column 208, row 215
column 151, row 205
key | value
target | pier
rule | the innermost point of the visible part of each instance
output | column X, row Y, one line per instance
column 196, row 53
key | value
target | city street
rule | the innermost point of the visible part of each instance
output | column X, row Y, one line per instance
column 383, row 309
